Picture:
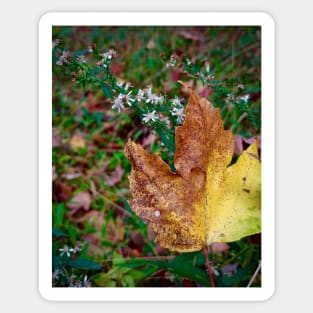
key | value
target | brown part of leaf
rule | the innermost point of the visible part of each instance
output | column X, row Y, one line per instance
column 201, row 140
column 161, row 198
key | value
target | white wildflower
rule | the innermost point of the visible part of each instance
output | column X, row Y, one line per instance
column 66, row 250
column 150, row 116
column 179, row 113
column 230, row 97
column 177, row 101
column 112, row 52
column 154, row 98
column 207, row 69
column 122, row 100
column 101, row 64
column 118, row 104
column 71, row 280
column 140, row 95
column 55, row 42
column 245, row 98
column 127, row 99
column 158, row 99
column 77, row 248
column 128, row 85
column 56, row 273
column 241, row 86
column 91, row 47
column 86, row 282
column 81, row 59
column 109, row 54
column 120, row 84
column 203, row 76
column 63, row 57
column 215, row 270
column 150, row 97
column 172, row 62
column 148, row 91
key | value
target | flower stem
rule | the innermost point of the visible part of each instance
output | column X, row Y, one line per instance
column 206, row 254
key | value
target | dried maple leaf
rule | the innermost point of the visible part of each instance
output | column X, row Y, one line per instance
column 206, row 200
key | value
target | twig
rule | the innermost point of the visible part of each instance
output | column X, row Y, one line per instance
column 242, row 116
column 206, row 253
column 236, row 54
column 230, row 260
column 254, row 275
column 118, row 207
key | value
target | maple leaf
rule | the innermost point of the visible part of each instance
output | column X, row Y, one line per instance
column 206, row 200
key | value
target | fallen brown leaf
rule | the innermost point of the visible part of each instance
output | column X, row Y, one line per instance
column 77, row 141
column 81, row 200
column 116, row 177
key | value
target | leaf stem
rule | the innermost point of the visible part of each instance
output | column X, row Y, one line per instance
column 207, row 260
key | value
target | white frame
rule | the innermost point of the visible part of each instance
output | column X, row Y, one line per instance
column 268, row 155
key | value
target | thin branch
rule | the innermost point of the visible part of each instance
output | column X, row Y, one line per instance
column 115, row 205
column 242, row 116
column 254, row 275
column 236, row 54
column 147, row 258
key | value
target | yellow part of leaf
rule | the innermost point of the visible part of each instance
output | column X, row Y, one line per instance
column 233, row 210
column 206, row 200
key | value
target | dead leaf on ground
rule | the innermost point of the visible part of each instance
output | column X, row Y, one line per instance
column 117, row 68
column 89, row 216
column 77, row 141
column 56, row 137
column 219, row 247
column 116, row 177
column 206, row 200
column 96, row 219
column 81, row 200
column 241, row 142
column 149, row 140
column 191, row 34
column 62, row 191
column 54, row 174
column 115, row 230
